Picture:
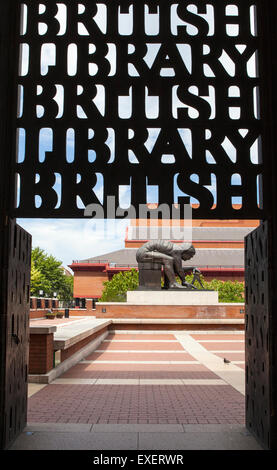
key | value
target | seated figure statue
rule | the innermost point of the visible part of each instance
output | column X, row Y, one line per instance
column 170, row 255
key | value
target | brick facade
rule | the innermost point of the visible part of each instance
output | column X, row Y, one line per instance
column 89, row 283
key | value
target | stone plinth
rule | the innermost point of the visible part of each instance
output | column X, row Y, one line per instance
column 150, row 275
column 172, row 297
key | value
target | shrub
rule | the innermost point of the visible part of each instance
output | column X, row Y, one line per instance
column 228, row 291
column 116, row 289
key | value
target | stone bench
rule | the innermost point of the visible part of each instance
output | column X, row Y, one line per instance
column 73, row 341
column 69, row 335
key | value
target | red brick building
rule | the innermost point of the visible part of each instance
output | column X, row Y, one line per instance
column 219, row 253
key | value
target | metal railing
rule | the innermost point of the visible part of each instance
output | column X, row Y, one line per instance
column 122, row 265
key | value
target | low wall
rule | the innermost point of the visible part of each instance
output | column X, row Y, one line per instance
column 43, row 344
column 125, row 326
column 67, row 353
column 81, row 312
column 40, row 305
column 41, row 349
column 126, row 310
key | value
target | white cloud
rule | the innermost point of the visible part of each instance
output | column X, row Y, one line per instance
column 73, row 239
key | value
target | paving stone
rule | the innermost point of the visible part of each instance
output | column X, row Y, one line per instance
column 169, row 393
column 76, row 441
column 197, row 441
column 137, row 428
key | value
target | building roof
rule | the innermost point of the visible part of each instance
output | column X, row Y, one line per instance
column 66, row 271
column 218, row 257
column 196, row 233
column 219, row 244
column 200, row 222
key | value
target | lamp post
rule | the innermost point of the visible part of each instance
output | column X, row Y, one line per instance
column 55, row 297
column 39, row 300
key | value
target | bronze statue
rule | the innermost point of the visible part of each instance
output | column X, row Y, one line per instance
column 170, row 255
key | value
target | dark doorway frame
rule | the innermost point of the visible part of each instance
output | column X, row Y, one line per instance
column 260, row 246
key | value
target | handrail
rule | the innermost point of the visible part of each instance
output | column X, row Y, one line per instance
column 122, row 265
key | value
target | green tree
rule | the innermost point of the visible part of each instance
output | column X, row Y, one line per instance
column 47, row 275
column 66, row 289
column 116, row 289
column 38, row 281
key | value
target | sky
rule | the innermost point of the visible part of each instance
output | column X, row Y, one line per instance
column 76, row 239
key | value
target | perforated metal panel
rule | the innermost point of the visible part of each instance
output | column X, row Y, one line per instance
column 125, row 97
column 14, row 332
column 258, row 347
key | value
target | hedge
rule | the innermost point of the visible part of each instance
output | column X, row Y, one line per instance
column 116, row 289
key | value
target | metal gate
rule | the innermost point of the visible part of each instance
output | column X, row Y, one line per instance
column 200, row 122
column 14, row 318
column 258, row 358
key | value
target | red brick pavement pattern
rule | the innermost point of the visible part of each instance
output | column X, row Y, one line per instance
column 147, row 371
column 142, row 336
column 202, row 337
column 141, row 346
column 223, row 346
column 226, row 346
column 232, row 356
column 139, row 356
column 156, row 404
column 166, row 404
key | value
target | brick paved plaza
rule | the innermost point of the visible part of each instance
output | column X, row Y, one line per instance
column 150, row 379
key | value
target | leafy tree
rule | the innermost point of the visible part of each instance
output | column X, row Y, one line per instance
column 38, row 281
column 116, row 289
column 47, row 275
column 66, row 289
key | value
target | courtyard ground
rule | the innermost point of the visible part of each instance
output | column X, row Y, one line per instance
column 179, row 390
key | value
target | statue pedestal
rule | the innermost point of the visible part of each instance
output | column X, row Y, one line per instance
column 172, row 297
